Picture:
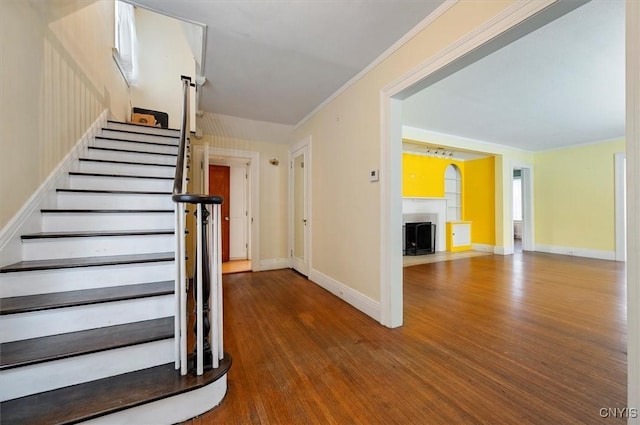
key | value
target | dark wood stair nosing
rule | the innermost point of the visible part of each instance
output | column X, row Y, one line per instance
column 103, row 211
column 91, row 234
column 44, row 349
column 111, row 161
column 113, row 192
column 133, row 151
column 176, row 136
column 117, row 176
column 144, row 142
column 79, row 262
column 83, row 297
column 112, row 394
column 138, row 125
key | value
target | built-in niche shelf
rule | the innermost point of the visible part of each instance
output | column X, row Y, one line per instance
column 453, row 192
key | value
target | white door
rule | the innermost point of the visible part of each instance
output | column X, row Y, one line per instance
column 299, row 178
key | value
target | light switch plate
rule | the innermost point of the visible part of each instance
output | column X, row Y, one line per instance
column 374, row 175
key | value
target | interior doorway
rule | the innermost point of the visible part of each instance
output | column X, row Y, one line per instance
column 300, row 206
column 243, row 216
column 220, row 184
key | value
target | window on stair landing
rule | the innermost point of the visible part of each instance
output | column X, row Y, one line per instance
column 125, row 51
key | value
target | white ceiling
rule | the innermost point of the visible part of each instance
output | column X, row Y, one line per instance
column 277, row 61
column 558, row 86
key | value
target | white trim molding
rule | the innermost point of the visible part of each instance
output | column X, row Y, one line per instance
column 620, row 206
column 469, row 46
column 254, row 198
column 483, row 247
column 632, row 16
column 271, row 264
column 27, row 219
column 577, row 252
column 358, row 300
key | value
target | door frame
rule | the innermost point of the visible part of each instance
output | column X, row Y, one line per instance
column 301, row 147
column 208, row 154
column 514, row 22
column 620, row 206
column 528, row 219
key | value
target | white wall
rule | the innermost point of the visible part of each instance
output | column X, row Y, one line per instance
column 164, row 55
column 57, row 77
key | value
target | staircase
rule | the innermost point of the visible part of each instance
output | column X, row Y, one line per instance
column 87, row 318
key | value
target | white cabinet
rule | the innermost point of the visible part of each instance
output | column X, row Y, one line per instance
column 458, row 235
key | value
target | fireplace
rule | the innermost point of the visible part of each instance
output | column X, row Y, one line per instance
column 420, row 238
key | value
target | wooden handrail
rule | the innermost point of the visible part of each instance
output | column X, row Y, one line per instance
column 208, row 275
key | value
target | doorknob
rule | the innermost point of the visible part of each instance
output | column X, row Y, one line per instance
column 226, row 218
column 304, row 220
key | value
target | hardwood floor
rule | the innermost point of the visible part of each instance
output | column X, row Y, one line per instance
column 523, row 339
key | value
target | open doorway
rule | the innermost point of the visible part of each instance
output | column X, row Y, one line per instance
column 516, row 201
column 460, row 56
column 242, row 198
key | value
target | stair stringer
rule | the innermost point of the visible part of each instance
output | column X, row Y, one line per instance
column 27, row 219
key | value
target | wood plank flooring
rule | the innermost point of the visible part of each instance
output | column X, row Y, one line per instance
column 522, row 339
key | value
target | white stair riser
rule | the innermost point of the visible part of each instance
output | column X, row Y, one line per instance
column 171, row 141
column 131, row 156
column 48, row 281
column 64, row 222
column 142, row 129
column 112, row 201
column 127, row 169
column 51, row 248
column 62, row 320
column 119, row 183
column 143, row 147
column 74, row 370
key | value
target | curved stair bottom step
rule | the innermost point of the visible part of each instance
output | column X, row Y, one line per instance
column 157, row 395
column 170, row 410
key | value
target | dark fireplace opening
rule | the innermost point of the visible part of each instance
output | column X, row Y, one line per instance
column 420, row 238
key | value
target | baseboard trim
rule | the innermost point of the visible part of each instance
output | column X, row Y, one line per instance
column 577, row 252
column 483, row 247
column 272, row 264
column 27, row 219
column 358, row 300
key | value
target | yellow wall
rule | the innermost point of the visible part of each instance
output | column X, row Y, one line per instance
column 346, row 146
column 574, row 196
column 423, row 176
column 57, row 77
column 478, row 194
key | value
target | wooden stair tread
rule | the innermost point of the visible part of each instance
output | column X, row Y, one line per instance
column 65, row 263
column 133, row 124
column 127, row 176
column 110, row 161
column 100, row 211
column 54, row 300
column 173, row 136
column 132, row 151
column 90, row 400
column 144, row 142
column 119, row 192
column 89, row 233
column 62, row 346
